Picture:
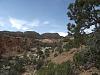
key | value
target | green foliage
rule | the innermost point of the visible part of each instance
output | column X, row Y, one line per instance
column 56, row 69
column 47, row 52
column 84, row 14
column 59, row 49
column 80, row 59
column 85, row 57
column 55, row 55
column 70, row 44
column 94, row 73
column 12, row 66
column 15, row 65
column 90, row 54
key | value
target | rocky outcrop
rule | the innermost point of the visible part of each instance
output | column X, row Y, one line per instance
column 31, row 34
column 27, row 34
column 12, row 43
column 13, row 34
column 51, row 36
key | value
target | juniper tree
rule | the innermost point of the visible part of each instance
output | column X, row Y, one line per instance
column 84, row 13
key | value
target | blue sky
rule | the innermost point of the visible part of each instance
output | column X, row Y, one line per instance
column 34, row 15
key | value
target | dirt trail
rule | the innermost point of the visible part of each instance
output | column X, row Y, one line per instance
column 65, row 56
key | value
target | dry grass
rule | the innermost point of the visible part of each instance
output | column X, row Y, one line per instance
column 65, row 56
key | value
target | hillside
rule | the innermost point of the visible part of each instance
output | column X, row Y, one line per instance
column 34, row 56
column 12, row 43
column 65, row 56
column 72, row 47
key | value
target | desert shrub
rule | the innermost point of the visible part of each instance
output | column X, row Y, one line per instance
column 69, row 45
column 47, row 53
column 79, row 59
column 39, row 64
column 11, row 66
column 55, row 55
column 56, row 69
column 15, row 65
column 94, row 73
column 59, row 49
column 91, row 54
column 82, row 57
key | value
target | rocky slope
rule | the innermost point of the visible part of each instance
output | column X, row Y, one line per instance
column 31, row 34
column 50, row 35
column 12, row 43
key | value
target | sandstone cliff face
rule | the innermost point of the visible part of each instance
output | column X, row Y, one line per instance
column 27, row 34
column 11, row 46
column 51, row 36
column 31, row 34
column 12, row 43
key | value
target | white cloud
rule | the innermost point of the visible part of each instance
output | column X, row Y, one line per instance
column 87, row 31
column 46, row 22
column 63, row 33
column 60, row 33
column 34, row 23
column 17, row 23
column 2, row 22
column 25, row 28
column 22, row 24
